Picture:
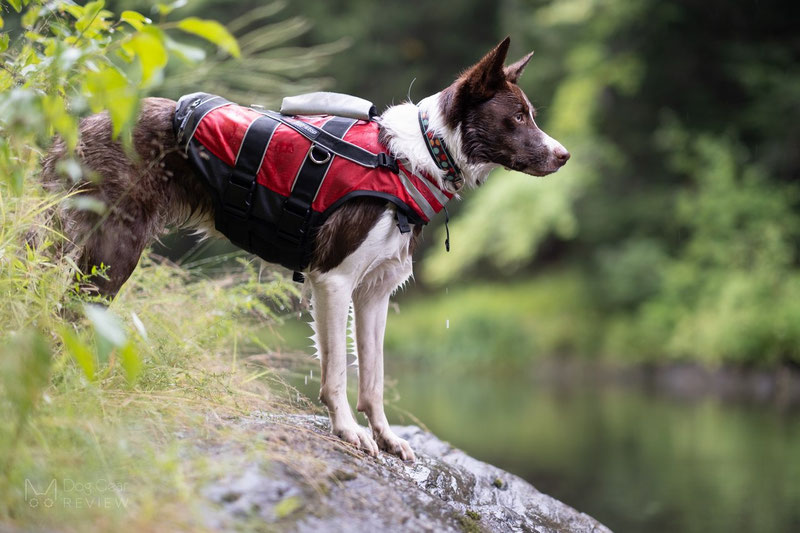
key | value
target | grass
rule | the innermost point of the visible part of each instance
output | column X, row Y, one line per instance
column 120, row 410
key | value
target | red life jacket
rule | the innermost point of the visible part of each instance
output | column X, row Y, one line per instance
column 275, row 180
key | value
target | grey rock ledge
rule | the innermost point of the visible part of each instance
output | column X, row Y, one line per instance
column 444, row 490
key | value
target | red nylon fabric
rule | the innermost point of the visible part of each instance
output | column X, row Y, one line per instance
column 222, row 130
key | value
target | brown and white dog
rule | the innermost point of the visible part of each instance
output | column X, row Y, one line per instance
column 360, row 256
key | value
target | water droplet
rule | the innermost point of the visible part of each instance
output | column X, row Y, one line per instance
column 447, row 324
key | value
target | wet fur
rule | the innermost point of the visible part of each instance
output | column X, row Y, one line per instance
column 360, row 257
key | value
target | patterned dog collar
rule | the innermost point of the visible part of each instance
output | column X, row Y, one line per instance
column 439, row 152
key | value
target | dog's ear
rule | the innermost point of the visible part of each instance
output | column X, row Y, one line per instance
column 477, row 84
column 486, row 77
column 513, row 72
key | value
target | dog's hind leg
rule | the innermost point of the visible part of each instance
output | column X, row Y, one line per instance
column 117, row 246
column 331, row 293
column 371, row 302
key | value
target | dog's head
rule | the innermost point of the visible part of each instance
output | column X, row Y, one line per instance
column 497, row 120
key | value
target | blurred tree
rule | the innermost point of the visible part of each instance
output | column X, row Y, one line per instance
column 270, row 66
column 677, row 205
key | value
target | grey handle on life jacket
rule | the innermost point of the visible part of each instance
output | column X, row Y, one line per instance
column 326, row 103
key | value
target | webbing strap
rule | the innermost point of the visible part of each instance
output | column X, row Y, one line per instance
column 334, row 144
column 293, row 221
column 202, row 105
column 238, row 196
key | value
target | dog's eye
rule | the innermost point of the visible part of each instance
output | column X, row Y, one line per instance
column 519, row 117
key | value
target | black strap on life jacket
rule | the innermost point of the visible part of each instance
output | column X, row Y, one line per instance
column 237, row 199
column 293, row 222
column 336, row 145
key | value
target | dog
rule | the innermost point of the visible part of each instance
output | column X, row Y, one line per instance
column 359, row 255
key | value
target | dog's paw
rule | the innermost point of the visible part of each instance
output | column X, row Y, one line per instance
column 391, row 443
column 358, row 437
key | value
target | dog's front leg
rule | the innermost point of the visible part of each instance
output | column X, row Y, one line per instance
column 371, row 304
column 331, row 295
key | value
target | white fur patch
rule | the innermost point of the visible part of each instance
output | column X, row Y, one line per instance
column 401, row 123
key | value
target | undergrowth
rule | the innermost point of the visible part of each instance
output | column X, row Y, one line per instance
column 107, row 412
column 111, row 406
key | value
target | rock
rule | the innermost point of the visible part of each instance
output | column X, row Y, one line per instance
column 313, row 482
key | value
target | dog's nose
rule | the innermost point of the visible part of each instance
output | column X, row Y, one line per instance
column 562, row 156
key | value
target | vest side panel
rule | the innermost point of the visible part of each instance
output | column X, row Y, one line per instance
column 223, row 129
column 423, row 189
column 345, row 177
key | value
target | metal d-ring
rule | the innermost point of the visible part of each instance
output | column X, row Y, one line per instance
column 314, row 159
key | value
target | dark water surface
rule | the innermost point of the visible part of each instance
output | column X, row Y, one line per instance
column 634, row 461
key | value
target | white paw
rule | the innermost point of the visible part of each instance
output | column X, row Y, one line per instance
column 391, row 443
column 358, row 437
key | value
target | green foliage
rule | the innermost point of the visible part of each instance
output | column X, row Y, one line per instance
column 212, row 31
column 730, row 291
column 677, row 208
column 26, row 360
column 467, row 327
column 72, row 57
column 266, row 70
column 90, row 391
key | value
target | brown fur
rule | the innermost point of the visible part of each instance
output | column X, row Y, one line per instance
column 142, row 195
column 345, row 230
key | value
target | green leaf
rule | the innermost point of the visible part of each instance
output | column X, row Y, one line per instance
column 184, row 52
column 135, row 19
column 148, row 47
column 80, row 352
column 71, row 168
column 2, row 22
column 109, row 89
column 287, row 506
column 91, row 11
column 130, row 362
column 86, row 203
column 166, row 9
column 3, row 42
column 29, row 18
column 106, row 325
column 211, row 31
column 16, row 4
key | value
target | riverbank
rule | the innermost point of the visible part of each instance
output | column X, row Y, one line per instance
column 328, row 486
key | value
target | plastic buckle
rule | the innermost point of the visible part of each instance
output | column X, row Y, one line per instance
column 388, row 161
column 291, row 225
column 238, row 196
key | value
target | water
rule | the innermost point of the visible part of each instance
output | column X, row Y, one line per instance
column 635, row 461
